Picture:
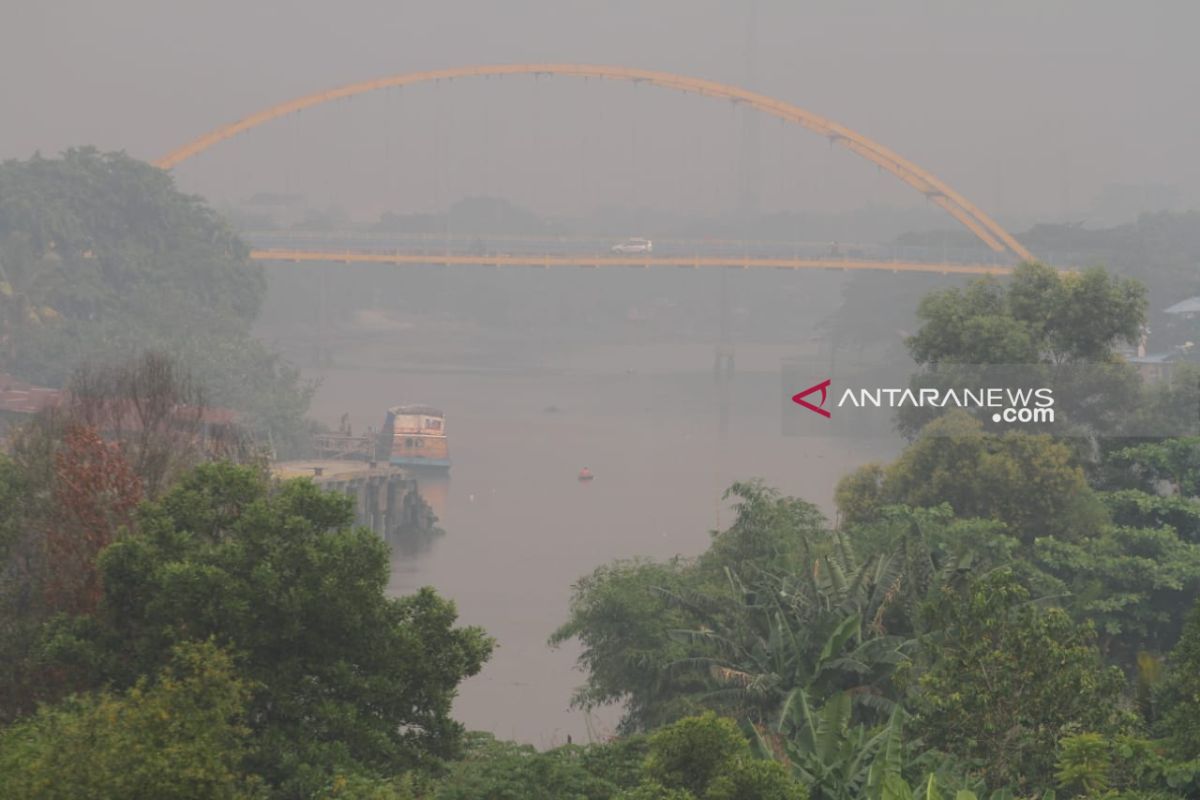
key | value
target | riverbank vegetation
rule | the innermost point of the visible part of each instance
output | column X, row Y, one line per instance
column 233, row 638
column 102, row 257
column 992, row 614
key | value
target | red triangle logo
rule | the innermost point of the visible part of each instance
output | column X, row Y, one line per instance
column 823, row 388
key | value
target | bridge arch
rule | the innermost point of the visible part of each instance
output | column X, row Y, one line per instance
column 954, row 204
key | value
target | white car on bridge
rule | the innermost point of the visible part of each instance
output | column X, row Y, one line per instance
column 636, row 245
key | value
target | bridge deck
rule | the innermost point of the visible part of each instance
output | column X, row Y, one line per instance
column 635, row 261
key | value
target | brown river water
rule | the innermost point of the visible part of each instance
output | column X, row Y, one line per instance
column 520, row 528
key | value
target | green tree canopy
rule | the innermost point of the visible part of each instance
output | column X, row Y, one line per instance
column 344, row 677
column 103, row 236
column 101, row 253
column 622, row 616
column 1031, row 483
column 1039, row 327
column 1039, row 314
column 1127, row 560
column 507, row 771
column 180, row 735
column 777, row 603
column 1007, row 679
column 708, row 758
column 1182, row 720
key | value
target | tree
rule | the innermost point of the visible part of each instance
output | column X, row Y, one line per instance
column 1173, row 464
column 1031, row 483
column 1135, row 508
column 100, row 254
column 776, row 603
column 69, row 495
column 708, row 758
column 1041, row 327
column 507, row 771
column 1160, row 249
column 835, row 758
column 1133, row 584
column 356, row 786
column 1093, row 765
column 158, row 415
column 94, row 495
column 768, row 530
column 1166, row 409
column 818, row 629
column 181, row 735
column 1020, row 502
column 345, row 679
column 22, row 560
column 623, row 618
column 1007, row 679
column 1182, row 720
column 618, row 761
column 83, row 465
column 859, row 495
column 1039, row 314
column 972, row 326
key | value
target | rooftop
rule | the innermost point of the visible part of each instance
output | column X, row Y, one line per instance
column 1189, row 306
column 20, row 397
column 416, row 409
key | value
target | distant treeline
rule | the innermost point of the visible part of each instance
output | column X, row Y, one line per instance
column 101, row 258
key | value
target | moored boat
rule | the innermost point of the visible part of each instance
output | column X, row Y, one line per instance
column 415, row 436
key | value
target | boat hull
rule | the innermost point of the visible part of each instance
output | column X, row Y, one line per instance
column 438, row 464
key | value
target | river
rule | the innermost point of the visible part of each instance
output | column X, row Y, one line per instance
column 520, row 528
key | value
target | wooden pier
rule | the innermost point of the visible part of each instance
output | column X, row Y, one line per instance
column 386, row 499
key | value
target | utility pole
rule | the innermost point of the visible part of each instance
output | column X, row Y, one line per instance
column 723, row 360
column 324, row 358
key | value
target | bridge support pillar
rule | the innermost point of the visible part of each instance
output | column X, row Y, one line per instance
column 321, row 354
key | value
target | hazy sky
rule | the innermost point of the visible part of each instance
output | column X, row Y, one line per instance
column 1027, row 108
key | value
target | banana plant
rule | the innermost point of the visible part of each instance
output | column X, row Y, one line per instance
column 818, row 629
column 928, row 789
column 835, row 759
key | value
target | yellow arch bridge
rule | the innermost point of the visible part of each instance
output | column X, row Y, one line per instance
column 938, row 192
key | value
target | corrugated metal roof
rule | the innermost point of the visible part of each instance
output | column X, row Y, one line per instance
column 1154, row 358
column 416, row 409
column 1189, row 306
column 19, row 397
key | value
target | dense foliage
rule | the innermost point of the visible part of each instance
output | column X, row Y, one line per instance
column 993, row 614
column 915, row 648
column 333, row 677
column 1033, row 484
column 1037, row 314
column 996, row 611
column 100, row 254
column 1039, row 327
column 1008, row 679
column 1159, row 251
column 343, row 675
column 180, row 735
